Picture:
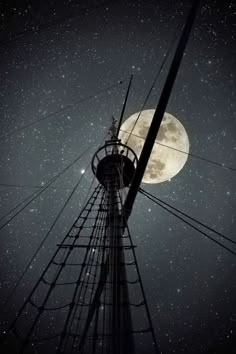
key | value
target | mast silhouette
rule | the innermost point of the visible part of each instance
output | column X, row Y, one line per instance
column 161, row 107
column 98, row 310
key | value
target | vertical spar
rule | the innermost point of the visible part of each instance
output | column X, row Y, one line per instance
column 114, row 166
column 160, row 110
column 114, row 171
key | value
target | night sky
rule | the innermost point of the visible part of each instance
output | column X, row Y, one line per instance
column 83, row 60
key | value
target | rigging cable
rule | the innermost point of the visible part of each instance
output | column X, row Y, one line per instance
column 153, row 198
column 190, row 217
column 34, row 195
column 52, row 114
column 78, row 311
column 28, row 299
column 39, row 28
column 49, row 231
column 43, row 241
column 24, row 186
column 138, row 136
column 186, row 153
column 154, row 339
column 156, row 78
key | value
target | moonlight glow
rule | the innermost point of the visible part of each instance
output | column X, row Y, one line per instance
column 166, row 160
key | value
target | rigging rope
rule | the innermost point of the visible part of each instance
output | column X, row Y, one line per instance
column 39, row 28
column 43, row 241
column 52, row 114
column 189, row 217
column 53, row 258
column 36, row 194
column 77, row 287
column 98, row 238
column 49, row 231
column 24, row 186
column 186, row 153
column 139, row 279
column 156, row 201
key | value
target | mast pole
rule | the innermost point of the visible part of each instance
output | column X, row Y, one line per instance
column 124, row 105
column 160, row 110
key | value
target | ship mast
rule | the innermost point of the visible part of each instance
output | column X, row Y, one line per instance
column 97, row 309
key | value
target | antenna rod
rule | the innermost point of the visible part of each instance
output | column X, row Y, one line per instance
column 124, row 105
column 160, row 110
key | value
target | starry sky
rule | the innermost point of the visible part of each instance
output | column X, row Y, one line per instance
column 66, row 64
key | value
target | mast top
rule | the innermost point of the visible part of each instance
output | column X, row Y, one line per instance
column 114, row 163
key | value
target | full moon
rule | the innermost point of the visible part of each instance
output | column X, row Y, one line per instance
column 171, row 148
